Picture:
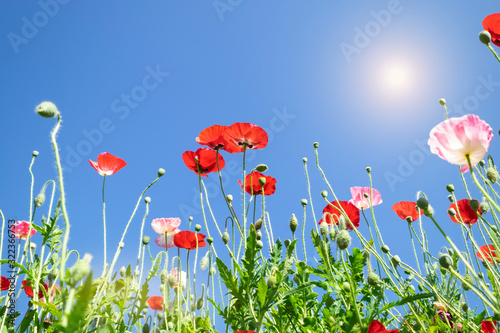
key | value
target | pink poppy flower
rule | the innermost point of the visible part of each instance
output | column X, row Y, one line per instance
column 456, row 138
column 361, row 201
column 107, row 164
column 21, row 229
column 166, row 226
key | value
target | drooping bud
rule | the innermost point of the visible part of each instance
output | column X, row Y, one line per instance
column 164, row 276
column 197, row 227
column 204, row 262
column 303, row 202
column 79, row 270
column 343, row 239
column 492, row 174
column 450, row 188
column 40, row 199
column 452, row 212
column 445, row 260
column 47, row 110
column 225, row 237
column 323, row 229
column 469, row 280
column 333, row 234
column 385, row 249
column 422, row 203
column 373, row 279
column 145, row 240
column 261, row 167
column 346, row 287
column 484, row 207
column 229, row 198
column 296, row 279
column 123, row 270
column 395, row 260
column 287, row 242
column 442, row 101
column 172, row 280
column 161, row 172
column 474, row 204
column 262, row 181
column 294, row 223
column 258, row 224
column 199, row 303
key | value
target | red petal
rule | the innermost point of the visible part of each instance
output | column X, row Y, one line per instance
column 488, row 326
column 5, row 285
column 155, row 303
column 109, row 164
column 333, row 213
column 27, row 288
column 213, row 137
column 491, row 23
column 463, row 211
column 405, row 209
column 488, row 252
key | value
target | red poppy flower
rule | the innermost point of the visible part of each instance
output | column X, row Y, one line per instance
column 188, row 239
column 107, row 164
column 463, row 211
column 252, row 185
column 245, row 332
column 488, row 252
column 5, row 284
column 239, row 135
column 377, row 327
column 207, row 161
column 491, row 23
column 488, row 326
column 331, row 215
column 155, row 303
column 406, row 209
column 29, row 291
column 213, row 137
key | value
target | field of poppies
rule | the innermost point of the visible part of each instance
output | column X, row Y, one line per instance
column 268, row 284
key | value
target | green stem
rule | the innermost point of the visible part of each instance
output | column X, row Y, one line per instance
column 104, row 224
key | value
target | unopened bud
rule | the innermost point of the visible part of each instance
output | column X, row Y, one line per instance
column 258, row 235
column 210, row 240
column 368, row 169
column 147, row 200
column 197, row 227
column 79, row 270
column 452, row 212
column 395, row 260
column 164, row 276
column 422, row 203
column 324, row 194
column 304, row 160
column 294, row 223
column 159, row 315
column 373, row 279
column 199, row 303
column 346, row 287
column 385, row 249
column 451, row 198
column 123, row 270
column 316, row 144
column 204, row 262
column 47, row 110
column 474, row 204
column 271, row 281
column 39, row 200
column 145, row 240
column 258, row 224
column 190, row 218
column 172, row 280
column 465, row 306
column 481, row 163
column 262, row 181
column 445, row 260
column 333, row 234
column 469, row 280
column 161, row 172
column 343, row 239
column 212, row 271
column 492, row 174
column 229, row 198
column 484, row 207
column 450, row 188
column 303, row 202
column 225, row 237
column 442, row 101
column 259, row 245
column 261, row 167
column 287, row 242
column 323, row 229
column 429, row 211
column 35, row 153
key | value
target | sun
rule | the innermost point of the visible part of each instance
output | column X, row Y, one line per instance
column 396, row 78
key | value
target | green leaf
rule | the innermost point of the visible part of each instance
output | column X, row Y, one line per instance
column 25, row 324
column 108, row 328
column 262, row 291
column 50, row 307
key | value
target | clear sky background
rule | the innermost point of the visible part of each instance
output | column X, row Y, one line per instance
column 140, row 80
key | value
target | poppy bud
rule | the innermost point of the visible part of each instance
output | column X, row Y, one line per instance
column 32, row 246
column 294, row 223
column 258, row 235
column 296, row 279
column 199, row 303
column 145, row 240
column 159, row 315
column 396, row 260
column 365, row 195
column 492, row 174
column 47, row 110
column 170, row 325
column 442, row 101
column 408, row 272
column 161, row 172
column 328, row 303
column 123, row 270
column 480, row 275
column 465, row 306
column 316, row 144
column 35, row 153
column 333, row 234
column 385, row 249
column 323, row 229
column 121, row 245
column 229, row 198
column 172, row 280
column 484, row 207
column 145, row 328
column 259, row 244
column 262, row 181
column 474, row 204
column 346, row 287
column 147, row 200
column 445, row 260
column 303, row 202
column 304, row 160
column 429, row 211
column 324, row 194
column 258, row 224
column 287, row 242
column 212, row 271
column 422, row 203
column 210, row 240
column 373, row 279
column 450, row 188
column 39, row 200
column 163, row 276
column 190, row 218
column 197, row 227
column 204, row 262
column 79, row 270
column 225, row 237
column 481, row 163
column 343, row 239
column 136, row 272
column 409, row 219
column 452, row 212
column 271, row 281
column 469, row 280
column 261, row 167
column 368, row 169
column 420, row 287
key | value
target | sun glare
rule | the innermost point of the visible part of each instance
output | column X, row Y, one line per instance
column 396, row 78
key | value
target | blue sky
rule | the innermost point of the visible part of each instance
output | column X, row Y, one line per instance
column 141, row 80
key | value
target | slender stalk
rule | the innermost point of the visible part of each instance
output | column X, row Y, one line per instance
column 104, row 225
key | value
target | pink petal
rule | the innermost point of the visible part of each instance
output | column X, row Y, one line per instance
column 163, row 225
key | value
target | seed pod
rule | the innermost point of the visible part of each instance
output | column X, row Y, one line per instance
column 210, row 240
column 465, row 306
column 212, row 271
column 229, row 198
column 343, row 239
column 287, row 242
column 145, row 240
column 303, row 202
column 452, row 212
column 474, row 204
column 422, row 203
column 450, row 188
column 485, row 37
column 324, row 194
column 197, row 228
column 442, row 101
column 484, row 207
column 316, row 144
column 262, row 181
